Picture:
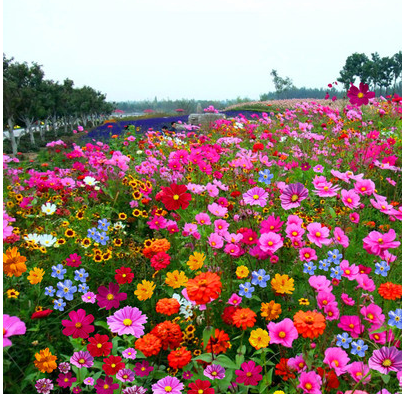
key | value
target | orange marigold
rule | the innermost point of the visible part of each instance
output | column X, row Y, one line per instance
column 271, row 310
column 244, row 317
column 204, row 288
column 168, row 306
column 282, row 284
column 169, row 334
column 13, row 262
column 218, row 342
column 179, row 358
column 149, row 344
column 390, row 291
column 45, row 361
column 309, row 324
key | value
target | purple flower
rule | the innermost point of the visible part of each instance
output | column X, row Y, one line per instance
column 187, row 375
column 125, row 375
column 106, row 386
column 109, row 298
column 128, row 320
column 143, row 369
column 82, row 359
column 134, row 390
column 64, row 367
column 292, row 195
column 214, row 371
column 130, row 353
column 44, row 386
column 168, row 384
column 386, row 359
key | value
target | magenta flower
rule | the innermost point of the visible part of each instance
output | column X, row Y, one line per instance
column 357, row 370
column 365, row 282
column 294, row 231
column 249, row 374
column 283, row 333
column 377, row 243
column 307, row 254
column 215, row 241
column 349, row 271
column 373, row 314
column 106, row 386
column 340, row 237
column 12, row 325
column 270, row 242
column 386, row 359
column 318, row 234
column 360, row 96
column 109, row 298
column 354, row 217
column 143, row 369
column 320, row 283
column 337, row 359
column 65, row 379
column 297, row 363
column 350, row 198
column 82, row 359
column 136, row 390
column 347, row 300
column 292, row 195
column 203, row 219
column 125, row 375
column 256, row 196
column 214, row 371
column 168, row 384
column 272, row 223
column 310, row 382
column 365, row 187
column 44, row 386
column 80, row 324
column 128, row 320
column 351, row 324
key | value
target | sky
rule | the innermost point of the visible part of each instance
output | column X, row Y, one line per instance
column 209, row 49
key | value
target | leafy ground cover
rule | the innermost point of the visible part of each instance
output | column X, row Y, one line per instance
column 262, row 256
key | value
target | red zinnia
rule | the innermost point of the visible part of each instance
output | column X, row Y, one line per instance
column 79, row 326
column 169, row 334
column 179, row 358
column 175, row 197
column 204, row 288
column 41, row 314
column 390, row 291
column 124, row 275
column 99, row 346
column 160, row 260
column 200, row 386
column 360, row 96
column 112, row 365
column 218, row 342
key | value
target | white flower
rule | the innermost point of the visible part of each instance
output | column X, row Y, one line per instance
column 139, row 152
column 32, row 238
column 186, row 307
column 90, row 181
column 47, row 240
column 48, row 208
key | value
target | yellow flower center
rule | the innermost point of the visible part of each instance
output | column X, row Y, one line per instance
column 78, row 325
column 105, row 386
column 142, row 368
column 248, row 374
column 168, row 389
column 256, row 196
column 318, row 234
column 295, row 197
column 309, row 386
column 360, row 95
column 66, row 379
column 363, row 189
column 200, row 391
column 124, row 275
column 81, row 361
column 347, row 272
column 113, row 365
column 370, row 316
column 175, row 197
column 380, row 240
column 99, row 345
column 351, row 325
column 294, row 233
column 214, row 373
column 282, row 334
column 110, row 297
column 127, row 322
column 270, row 243
column 349, row 199
column 336, row 363
column 387, row 362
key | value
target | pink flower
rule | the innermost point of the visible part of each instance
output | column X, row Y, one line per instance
column 349, row 271
column 294, row 231
column 109, row 298
column 234, row 299
column 270, row 242
column 271, row 224
column 221, row 226
column 283, row 333
column 217, row 210
column 347, row 300
column 324, row 298
column 350, row 198
column 310, row 382
column 337, row 359
column 307, row 254
column 128, row 320
column 250, row 374
column 292, row 195
column 256, row 196
column 80, row 324
column 373, row 314
column 386, row 359
column 376, row 243
column 354, row 217
column 215, row 241
column 357, row 370
column 365, row 282
column 340, row 237
column 297, row 363
column 351, row 324
column 318, row 234
column 320, row 283
column 331, row 311
column 365, row 187
column 168, row 384
column 12, row 325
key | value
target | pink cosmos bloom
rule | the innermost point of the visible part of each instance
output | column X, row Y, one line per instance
column 143, row 369
column 82, row 359
column 382, row 206
column 233, row 238
column 307, row 254
column 234, row 299
column 318, row 234
column 157, row 223
column 125, row 375
column 271, row 224
column 292, row 195
column 297, row 363
column 80, row 324
column 356, row 392
column 233, row 250
column 12, row 325
column 249, row 374
column 337, row 359
column 109, row 298
column 351, row 324
column 357, row 370
column 382, row 337
column 270, row 242
column 354, row 217
column 128, row 320
column 283, row 333
column 373, row 314
column 130, row 353
column 340, row 237
column 331, row 311
column 256, row 196
column 294, row 231
column 215, row 241
column 386, row 359
column 365, row 187
column 347, row 300
column 350, row 198
column 376, row 243
column 221, row 226
column 294, row 219
column 212, row 190
column 214, row 371
column 189, row 229
column 168, row 384
column 349, row 271
column 217, row 210
column 360, row 96
column 365, row 282
column 324, row 298
column 106, row 386
column 323, row 188
column 320, row 283
column 310, row 382
column 89, row 297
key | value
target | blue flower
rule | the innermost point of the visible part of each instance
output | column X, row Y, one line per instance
column 246, row 290
column 382, row 268
column 59, row 304
column 58, row 271
column 81, row 275
column 309, row 268
column 101, row 238
column 260, row 278
column 336, row 273
column 83, row 288
column 92, row 232
column 359, row 348
column 103, row 224
column 49, row 291
column 343, row 340
column 265, row 177
column 395, row 318
column 334, row 256
column 324, row 264
column 66, row 290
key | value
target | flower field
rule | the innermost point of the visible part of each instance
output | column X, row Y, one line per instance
column 261, row 256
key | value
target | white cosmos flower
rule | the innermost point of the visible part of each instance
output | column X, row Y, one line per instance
column 47, row 240
column 90, row 181
column 32, row 238
column 48, row 208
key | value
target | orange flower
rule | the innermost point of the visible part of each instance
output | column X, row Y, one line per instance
column 244, row 317
column 271, row 310
column 45, row 361
column 309, row 324
column 159, row 245
column 390, row 291
column 204, row 288
column 149, row 344
column 179, row 358
column 168, row 306
column 282, row 284
column 169, row 334
column 13, row 262
column 218, row 342
column 35, row 275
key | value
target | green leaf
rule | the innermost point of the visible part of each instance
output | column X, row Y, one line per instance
column 239, row 360
column 332, row 212
column 385, row 378
column 225, row 362
column 208, row 331
column 103, row 324
column 207, row 357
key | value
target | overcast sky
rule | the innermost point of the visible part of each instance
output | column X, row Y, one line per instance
column 209, row 49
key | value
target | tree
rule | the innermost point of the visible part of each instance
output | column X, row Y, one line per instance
column 355, row 66
column 396, row 66
column 281, row 85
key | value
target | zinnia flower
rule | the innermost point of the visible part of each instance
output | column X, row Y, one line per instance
column 218, row 342
column 179, row 358
column 390, row 291
column 128, row 320
column 244, row 317
column 204, row 288
column 309, row 324
column 149, row 344
column 259, row 338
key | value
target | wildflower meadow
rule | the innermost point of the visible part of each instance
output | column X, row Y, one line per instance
column 259, row 255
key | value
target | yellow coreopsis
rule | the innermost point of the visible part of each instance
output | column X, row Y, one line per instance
column 145, row 290
column 196, row 261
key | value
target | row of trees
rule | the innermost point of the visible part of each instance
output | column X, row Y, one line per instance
column 29, row 99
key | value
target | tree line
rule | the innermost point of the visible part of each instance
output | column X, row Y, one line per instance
column 29, row 99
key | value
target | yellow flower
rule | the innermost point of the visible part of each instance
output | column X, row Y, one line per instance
column 304, row 301
column 271, row 310
column 176, row 279
column 36, row 275
column 282, row 284
column 279, row 392
column 259, row 338
column 196, row 261
column 12, row 293
column 145, row 290
column 242, row 272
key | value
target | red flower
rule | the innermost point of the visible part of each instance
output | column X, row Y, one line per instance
column 258, row 146
column 80, row 324
column 109, row 298
column 99, row 346
column 360, row 96
column 41, row 314
column 160, row 260
column 200, row 386
column 112, row 365
column 124, row 275
column 175, row 197
column 282, row 369
column 179, row 358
